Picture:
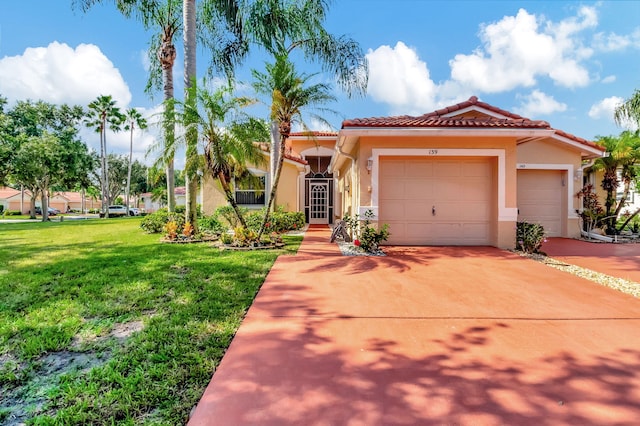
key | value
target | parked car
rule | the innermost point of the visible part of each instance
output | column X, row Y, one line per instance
column 50, row 210
column 118, row 211
column 134, row 211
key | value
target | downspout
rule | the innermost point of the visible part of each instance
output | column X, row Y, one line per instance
column 350, row 157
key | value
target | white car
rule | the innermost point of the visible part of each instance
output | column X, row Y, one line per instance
column 119, row 210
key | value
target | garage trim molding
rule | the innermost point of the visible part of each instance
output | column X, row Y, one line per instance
column 505, row 214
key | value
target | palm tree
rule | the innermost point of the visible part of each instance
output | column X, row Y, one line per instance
column 133, row 118
column 629, row 111
column 290, row 94
column 103, row 113
column 164, row 15
column 228, row 135
column 220, row 33
column 623, row 155
column 287, row 26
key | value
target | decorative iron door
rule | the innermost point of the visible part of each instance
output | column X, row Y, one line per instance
column 319, row 203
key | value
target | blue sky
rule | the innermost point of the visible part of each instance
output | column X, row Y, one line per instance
column 565, row 62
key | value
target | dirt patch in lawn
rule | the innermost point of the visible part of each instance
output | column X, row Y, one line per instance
column 24, row 386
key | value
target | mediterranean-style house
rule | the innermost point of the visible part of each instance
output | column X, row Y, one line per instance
column 17, row 200
column 461, row 175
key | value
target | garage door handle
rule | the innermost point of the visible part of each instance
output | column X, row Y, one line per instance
column 433, row 211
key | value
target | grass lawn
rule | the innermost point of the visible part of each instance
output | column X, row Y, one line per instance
column 102, row 324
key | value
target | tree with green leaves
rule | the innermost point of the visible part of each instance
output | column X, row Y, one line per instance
column 7, row 143
column 291, row 94
column 103, row 115
column 629, row 110
column 46, row 152
column 623, row 155
column 117, row 179
column 229, row 136
column 44, row 161
column 165, row 17
column 285, row 28
column 133, row 120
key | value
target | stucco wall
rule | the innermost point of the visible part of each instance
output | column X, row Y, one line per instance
column 286, row 196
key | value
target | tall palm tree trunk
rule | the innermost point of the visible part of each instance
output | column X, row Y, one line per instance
column 191, row 166
column 274, row 184
column 167, row 57
column 128, row 189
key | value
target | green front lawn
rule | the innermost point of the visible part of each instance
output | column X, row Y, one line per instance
column 102, row 324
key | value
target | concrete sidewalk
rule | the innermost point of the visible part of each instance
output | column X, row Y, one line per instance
column 427, row 335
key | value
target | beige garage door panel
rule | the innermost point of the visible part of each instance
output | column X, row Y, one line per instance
column 459, row 189
column 540, row 199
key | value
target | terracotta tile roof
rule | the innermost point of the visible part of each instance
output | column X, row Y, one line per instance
column 435, row 121
column 289, row 153
column 446, row 118
column 8, row 192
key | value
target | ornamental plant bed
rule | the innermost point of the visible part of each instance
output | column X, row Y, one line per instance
column 256, row 247
column 181, row 239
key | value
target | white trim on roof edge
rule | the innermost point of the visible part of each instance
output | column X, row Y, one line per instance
column 475, row 108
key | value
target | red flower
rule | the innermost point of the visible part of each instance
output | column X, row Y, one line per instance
column 356, row 243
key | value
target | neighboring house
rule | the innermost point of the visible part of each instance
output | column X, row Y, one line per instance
column 149, row 205
column 74, row 202
column 595, row 179
column 461, row 175
column 14, row 199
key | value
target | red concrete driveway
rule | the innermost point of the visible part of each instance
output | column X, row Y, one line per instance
column 429, row 335
column 616, row 260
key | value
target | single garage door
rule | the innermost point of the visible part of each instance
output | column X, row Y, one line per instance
column 437, row 201
column 540, row 199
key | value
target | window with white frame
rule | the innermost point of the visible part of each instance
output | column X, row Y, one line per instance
column 250, row 189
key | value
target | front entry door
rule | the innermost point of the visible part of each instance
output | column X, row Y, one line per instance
column 319, row 203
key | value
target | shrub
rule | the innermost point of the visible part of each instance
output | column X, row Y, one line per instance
column 529, row 237
column 592, row 214
column 171, row 229
column 227, row 214
column 279, row 221
column 13, row 213
column 1, row 209
column 367, row 236
column 244, row 237
column 155, row 222
column 211, row 224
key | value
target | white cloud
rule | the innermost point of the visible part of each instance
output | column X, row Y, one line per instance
column 605, row 108
column 518, row 49
column 60, row 74
column 609, row 79
column 538, row 103
column 398, row 77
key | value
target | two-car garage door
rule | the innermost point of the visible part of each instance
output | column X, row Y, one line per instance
column 437, row 201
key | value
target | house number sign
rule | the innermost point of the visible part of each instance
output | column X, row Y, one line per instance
column 433, row 152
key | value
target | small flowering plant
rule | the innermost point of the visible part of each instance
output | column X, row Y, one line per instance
column 529, row 237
